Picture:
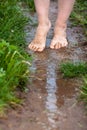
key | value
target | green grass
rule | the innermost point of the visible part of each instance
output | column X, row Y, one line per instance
column 71, row 70
column 83, row 95
column 30, row 4
column 14, row 69
column 14, row 61
column 12, row 22
column 79, row 14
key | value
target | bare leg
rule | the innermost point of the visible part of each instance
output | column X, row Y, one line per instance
column 42, row 8
column 64, row 10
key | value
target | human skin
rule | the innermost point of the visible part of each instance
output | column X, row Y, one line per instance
column 59, row 39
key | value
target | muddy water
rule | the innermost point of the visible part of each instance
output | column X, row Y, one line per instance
column 51, row 102
column 59, row 96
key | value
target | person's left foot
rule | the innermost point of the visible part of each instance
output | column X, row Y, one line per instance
column 38, row 44
column 59, row 40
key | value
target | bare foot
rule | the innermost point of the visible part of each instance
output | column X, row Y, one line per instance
column 59, row 40
column 38, row 44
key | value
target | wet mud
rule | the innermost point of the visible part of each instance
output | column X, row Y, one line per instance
column 51, row 102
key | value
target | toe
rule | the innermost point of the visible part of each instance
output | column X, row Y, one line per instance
column 57, row 45
column 66, row 43
column 52, row 45
column 30, row 46
column 34, row 48
column 60, row 45
column 40, row 49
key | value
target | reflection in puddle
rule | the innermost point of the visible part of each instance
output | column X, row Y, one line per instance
column 51, row 91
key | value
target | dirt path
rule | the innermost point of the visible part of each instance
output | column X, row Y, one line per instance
column 51, row 103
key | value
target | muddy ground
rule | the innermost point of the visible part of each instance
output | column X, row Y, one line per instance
column 51, row 101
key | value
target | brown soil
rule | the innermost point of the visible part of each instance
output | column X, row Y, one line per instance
column 51, row 102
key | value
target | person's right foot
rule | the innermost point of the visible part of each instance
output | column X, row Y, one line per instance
column 38, row 44
column 59, row 40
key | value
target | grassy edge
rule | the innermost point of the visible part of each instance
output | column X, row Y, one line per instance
column 71, row 70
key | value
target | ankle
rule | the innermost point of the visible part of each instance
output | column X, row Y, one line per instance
column 60, row 29
column 45, row 23
column 62, row 25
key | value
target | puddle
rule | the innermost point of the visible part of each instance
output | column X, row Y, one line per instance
column 60, row 95
column 51, row 103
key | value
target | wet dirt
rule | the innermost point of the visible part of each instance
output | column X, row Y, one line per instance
column 51, row 102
